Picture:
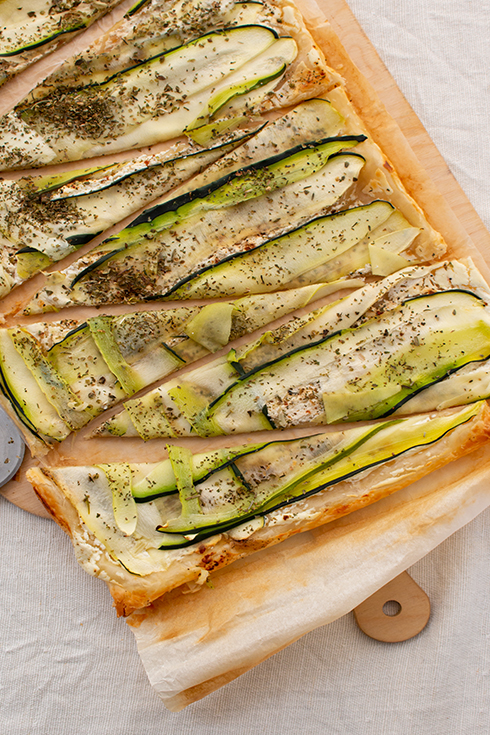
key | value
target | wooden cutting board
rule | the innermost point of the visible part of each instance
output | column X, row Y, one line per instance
column 448, row 210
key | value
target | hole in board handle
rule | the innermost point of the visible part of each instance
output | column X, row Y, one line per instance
column 392, row 608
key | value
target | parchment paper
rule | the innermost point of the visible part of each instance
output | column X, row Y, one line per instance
column 192, row 644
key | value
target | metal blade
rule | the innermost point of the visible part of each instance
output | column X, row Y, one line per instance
column 12, row 448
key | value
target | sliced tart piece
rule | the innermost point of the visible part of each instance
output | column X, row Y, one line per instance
column 161, row 97
column 29, row 31
column 361, row 358
column 55, row 377
column 324, row 249
column 239, row 210
column 155, row 26
column 44, row 218
column 148, row 528
column 165, row 88
column 207, row 254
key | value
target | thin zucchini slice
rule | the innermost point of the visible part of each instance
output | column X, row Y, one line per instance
column 25, row 396
column 469, row 384
column 161, row 97
column 149, row 416
column 123, row 504
column 151, row 482
column 180, row 459
column 130, row 379
column 385, row 262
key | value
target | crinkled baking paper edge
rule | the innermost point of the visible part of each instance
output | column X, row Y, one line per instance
column 192, row 644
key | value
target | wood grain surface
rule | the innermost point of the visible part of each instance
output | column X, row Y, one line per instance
column 391, row 625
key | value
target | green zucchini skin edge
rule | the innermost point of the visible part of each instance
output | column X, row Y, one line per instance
column 258, row 368
column 302, row 348
column 17, row 407
column 27, row 249
column 181, row 359
column 43, row 41
column 266, row 414
column 78, row 240
column 411, row 299
column 213, row 530
column 75, row 240
column 234, row 256
column 217, row 32
column 137, row 6
column 69, row 334
column 151, row 214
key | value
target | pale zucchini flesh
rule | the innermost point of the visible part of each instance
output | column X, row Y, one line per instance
column 81, row 365
column 257, row 385
column 123, row 504
column 130, row 379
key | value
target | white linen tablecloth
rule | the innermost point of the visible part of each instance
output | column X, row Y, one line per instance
column 68, row 665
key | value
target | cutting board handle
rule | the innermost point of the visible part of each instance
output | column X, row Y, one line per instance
column 396, row 612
